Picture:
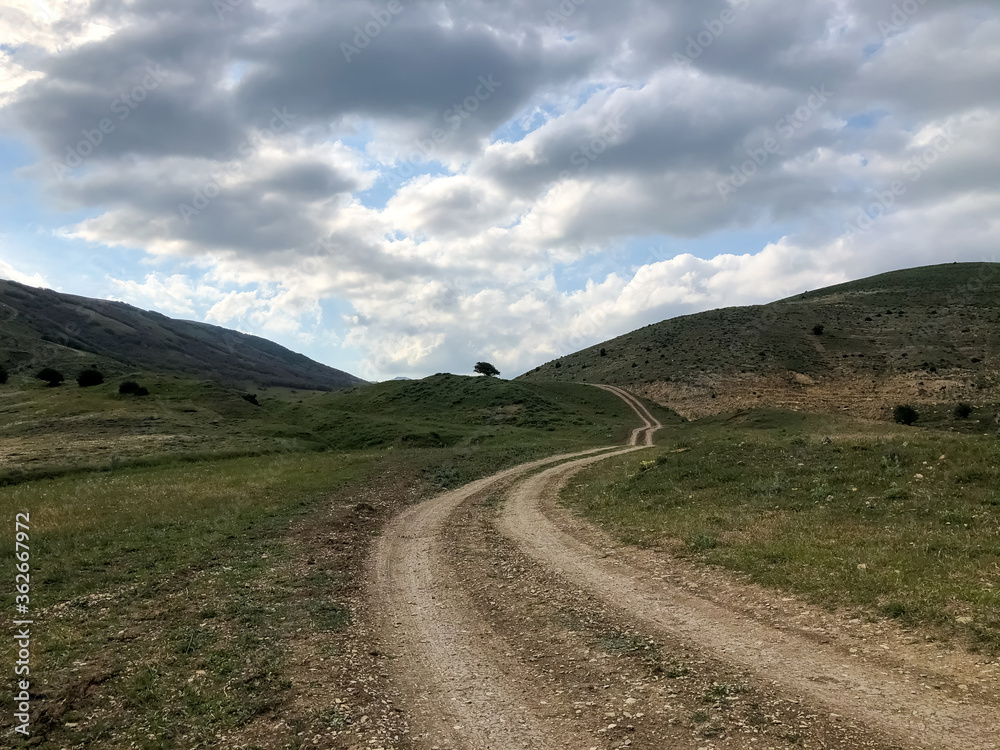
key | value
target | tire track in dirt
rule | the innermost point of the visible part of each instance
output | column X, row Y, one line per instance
column 651, row 423
column 876, row 695
column 458, row 693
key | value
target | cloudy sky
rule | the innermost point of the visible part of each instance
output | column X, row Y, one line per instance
column 403, row 187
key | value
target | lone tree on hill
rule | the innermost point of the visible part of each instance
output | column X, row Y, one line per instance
column 50, row 376
column 485, row 368
column 87, row 378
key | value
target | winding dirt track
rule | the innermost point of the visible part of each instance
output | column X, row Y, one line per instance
column 464, row 687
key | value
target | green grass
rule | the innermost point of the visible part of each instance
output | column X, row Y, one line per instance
column 444, row 410
column 167, row 586
column 849, row 523
column 50, row 432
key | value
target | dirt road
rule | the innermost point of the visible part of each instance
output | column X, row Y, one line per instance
column 507, row 623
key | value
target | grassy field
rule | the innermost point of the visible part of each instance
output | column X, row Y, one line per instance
column 51, row 431
column 895, row 522
column 145, row 578
column 169, row 589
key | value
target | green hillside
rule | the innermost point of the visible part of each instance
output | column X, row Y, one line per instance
column 40, row 327
column 925, row 335
column 48, row 431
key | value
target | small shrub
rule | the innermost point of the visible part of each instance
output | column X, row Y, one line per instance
column 818, row 330
column 904, row 414
column 963, row 411
column 703, row 542
column 604, row 352
column 88, row 378
column 3, row 376
column 251, row 398
column 51, row 376
column 128, row 387
column 894, row 610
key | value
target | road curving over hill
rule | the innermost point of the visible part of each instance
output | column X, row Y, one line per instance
column 468, row 599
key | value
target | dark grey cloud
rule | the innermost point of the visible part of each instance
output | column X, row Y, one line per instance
column 639, row 112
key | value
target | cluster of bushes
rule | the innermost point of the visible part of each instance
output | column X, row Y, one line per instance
column 86, row 379
column 907, row 415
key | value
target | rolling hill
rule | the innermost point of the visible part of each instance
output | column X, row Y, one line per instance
column 925, row 336
column 40, row 327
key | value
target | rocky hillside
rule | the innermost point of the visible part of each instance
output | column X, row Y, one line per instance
column 923, row 335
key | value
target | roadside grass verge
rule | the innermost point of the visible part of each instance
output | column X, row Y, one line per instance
column 901, row 523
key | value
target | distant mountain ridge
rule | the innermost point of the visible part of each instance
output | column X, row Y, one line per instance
column 41, row 327
column 922, row 335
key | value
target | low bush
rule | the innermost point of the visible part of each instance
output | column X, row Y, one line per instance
column 904, row 414
column 51, row 376
column 130, row 387
column 89, row 378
